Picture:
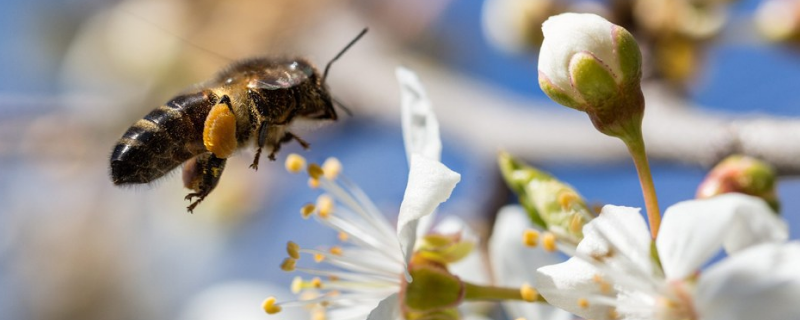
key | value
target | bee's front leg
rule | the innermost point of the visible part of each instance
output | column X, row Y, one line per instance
column 262, row 140
column 202, row 174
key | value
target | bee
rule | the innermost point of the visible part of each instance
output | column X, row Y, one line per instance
column 251, row 100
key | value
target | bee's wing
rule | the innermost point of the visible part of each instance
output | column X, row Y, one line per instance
column 280, row 78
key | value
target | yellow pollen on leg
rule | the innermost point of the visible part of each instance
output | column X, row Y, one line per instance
column 307, row 210
column 295, row 163
column 325, row 206
column 332, row 168
column 343, row 236
column 549, row 242
column 583, row 303
column 528, row 293
column 315, row 171
column 293, row 250
column 269, row 306
column 336, row 250
column 530, row 238
column 288, row 264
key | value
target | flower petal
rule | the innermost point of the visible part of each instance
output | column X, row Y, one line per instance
column 619, row 237
column 420, row 127
column 693, row 231
column 564, row 284
column 760, row 282
column 515, row 264
column 388, row 308
column 429, row 184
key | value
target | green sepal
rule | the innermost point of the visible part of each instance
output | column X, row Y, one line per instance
column 630, row 57
column 591, row 78
column 559, row 95
column 433, row 289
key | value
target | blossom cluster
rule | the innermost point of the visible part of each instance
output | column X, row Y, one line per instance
column 551, row 256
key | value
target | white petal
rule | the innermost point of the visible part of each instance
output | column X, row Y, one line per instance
column 693, row 231
column 472, row 267
column 420, row 127
column 569, row 33
column 388, row 308
column 562, row 285
column 514, row 263
column 761, row 282
column 620, row 234
column 429, row 184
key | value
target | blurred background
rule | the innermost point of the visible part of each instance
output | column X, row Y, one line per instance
column 721, row 77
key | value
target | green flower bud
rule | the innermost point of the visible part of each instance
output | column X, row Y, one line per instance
column 741, row 174
column 591, row 65
column 551, row 204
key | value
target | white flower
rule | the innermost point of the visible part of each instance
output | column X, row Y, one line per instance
column 373, row 263
column 613, row 274
column 514, row 263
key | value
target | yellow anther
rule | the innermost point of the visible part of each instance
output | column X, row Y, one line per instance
column 549, row 242
column 575, row 223
column 307, row 210
column 520, row 318
column 316, row 283
column 325, row 303
column 313, row 183
column 293, row 250
column 319, row 315
column 297, row 285
column 336, row 250
column 605, row 287
column 318, row 257
column 333, row 278
column 269, row 306
column 288, row 264
column 315, row 171
column 530, row 238
column 343, row 236
column 613, row 314
column 583, row 303
column 528, row 293
column 325, row 206
column 565, row 199
column 295, row 163
column 332, row 168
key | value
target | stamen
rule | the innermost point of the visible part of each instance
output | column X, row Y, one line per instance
column 530, row 238
column 325, row 206
column 313, row 183
column 332, row 168
column 288, row 264
column 336, row 250
column 316, row 283
column 549, row 242
column 318, row 315
column 343, row 236
column 307, row 210
column 333, row 278
column 583, row 303
column 318, row 257
column 297, row 285
column 293, row 250
column 566, row 198
column 270, row 307
column 613, row 314
column 605, row 287
column 575, row 223
column 315, row 171
column 528, row 293
column 295, row 163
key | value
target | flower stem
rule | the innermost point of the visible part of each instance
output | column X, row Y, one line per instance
column 483, row 293
column 637, row 150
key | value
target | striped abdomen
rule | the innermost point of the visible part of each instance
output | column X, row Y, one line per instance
column 162, row 140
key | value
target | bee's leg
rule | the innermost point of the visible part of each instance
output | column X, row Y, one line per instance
column 289, row 136
column 262, row 140
column 202, row 174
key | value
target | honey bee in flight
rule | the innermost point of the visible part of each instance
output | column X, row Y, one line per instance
column 251, row 100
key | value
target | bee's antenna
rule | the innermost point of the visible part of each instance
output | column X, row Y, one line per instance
column 344, row 107
column 328, row 66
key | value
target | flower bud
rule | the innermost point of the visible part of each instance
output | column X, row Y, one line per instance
column 591, row 65
column 551, row 204
column 741, row 174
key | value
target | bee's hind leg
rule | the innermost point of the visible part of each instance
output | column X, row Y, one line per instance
column 202, row 174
